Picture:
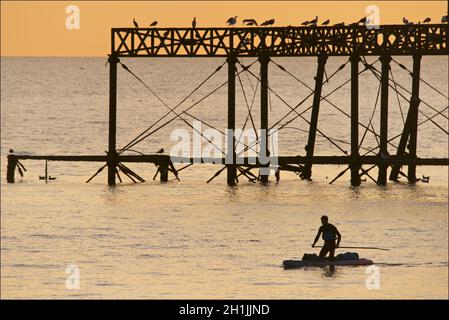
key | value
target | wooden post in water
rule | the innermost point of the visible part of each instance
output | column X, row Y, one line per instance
column 112, row 153
column 230, row 153
column 355, row 156
column 163, row 168
column 264, row 152
column 310, row 147
column 11, row 168
column 383, row 152
column 410, row 126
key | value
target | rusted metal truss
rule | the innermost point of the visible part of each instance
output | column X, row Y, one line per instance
column 423, row 39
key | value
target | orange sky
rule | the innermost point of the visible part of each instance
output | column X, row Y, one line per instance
column 37, row 28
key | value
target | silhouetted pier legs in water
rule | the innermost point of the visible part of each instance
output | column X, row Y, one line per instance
column 355, row 164
column 410, row 130
column 112, row 153
column 310, row 147
column 264, row 150
column 230, row 153
column 383, row 144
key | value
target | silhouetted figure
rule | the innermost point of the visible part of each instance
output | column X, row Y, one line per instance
column 444, row 19
column 153, row 24
column 325, row 23
column 231, row 21
column 330, row 234
column 250, row 22
column 405, row 21
column 426, row 20
column 161, row 150
column 194, row 23
column 135, row 23
column 305, row 23
column 267, row 22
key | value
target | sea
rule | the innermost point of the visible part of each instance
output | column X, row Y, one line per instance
column 68, row 239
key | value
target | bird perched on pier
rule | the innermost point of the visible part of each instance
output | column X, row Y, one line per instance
column 161, row 150
column 405, row 21
column 135, row 23
column 250, row 22
column 313, row 22
column 231, row 21
column 444, row 19
column 325, row 23
column 153, row 24
column 194, row 23
column 362, row 21
column 426, row 20
column 267, row 22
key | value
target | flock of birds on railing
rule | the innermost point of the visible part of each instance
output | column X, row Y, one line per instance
column 310, row 23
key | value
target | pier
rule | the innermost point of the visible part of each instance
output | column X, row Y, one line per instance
column 265, row 44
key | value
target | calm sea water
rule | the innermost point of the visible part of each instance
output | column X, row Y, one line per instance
column 190, row 239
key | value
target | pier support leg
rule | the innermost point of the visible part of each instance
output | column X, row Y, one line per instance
column 11, row 168
column 355, row 156
column 414, row 123
column 163, row 168
column 410, row 126
column 310, row 147
column 383, row 150
column 264, row 151
column 230, row 153
column 112, row 153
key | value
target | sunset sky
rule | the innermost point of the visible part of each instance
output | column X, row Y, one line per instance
column 38, row 28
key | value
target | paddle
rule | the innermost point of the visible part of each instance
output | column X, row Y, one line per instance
column 372, row 248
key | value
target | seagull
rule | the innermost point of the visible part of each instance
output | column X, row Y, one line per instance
column 231, row 21
column 153, row 24
column 362, row 21
column 250, row 22
column 341, row 24
column 426, row 20
column 194, row 23
column 405, row 21
column 314, row 21
column 325, row 23
column 135, row 23
column 267, row 22
column 161, row 150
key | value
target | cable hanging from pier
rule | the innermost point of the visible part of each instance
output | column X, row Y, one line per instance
column 293, row 109
column 377, row 75
column 421, row 79
column 136, row 139
column 171, row 109
column 367, row 67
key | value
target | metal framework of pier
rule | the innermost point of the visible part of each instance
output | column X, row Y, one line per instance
column 264, row 44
